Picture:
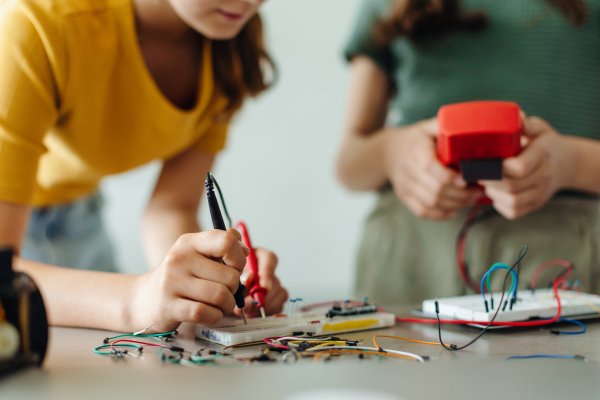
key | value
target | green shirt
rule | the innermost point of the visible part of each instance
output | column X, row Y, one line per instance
column 528, row 54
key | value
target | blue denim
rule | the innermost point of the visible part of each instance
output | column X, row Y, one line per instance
column 70, row 235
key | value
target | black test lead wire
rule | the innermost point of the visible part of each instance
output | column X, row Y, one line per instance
column 454, row 347
column 218, row 223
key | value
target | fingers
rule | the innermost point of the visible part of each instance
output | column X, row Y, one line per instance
column 276, row 298
column 525, row 163
column 215, row 271
column 207, row 292
column 535, row 126
column 274, row 301
column 429, row 126
column 215, row 244
column 421, row 211
column 267, row 262
column 515, row 198
column 428, row 162
column 446, row 195
column 237, row 235
column 515, row 206
column 515, row 186
column 184, row 310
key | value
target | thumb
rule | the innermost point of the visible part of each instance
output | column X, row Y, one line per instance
column 535, row 126
column 429, row 126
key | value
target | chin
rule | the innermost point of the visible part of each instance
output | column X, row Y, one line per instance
column 220, row 32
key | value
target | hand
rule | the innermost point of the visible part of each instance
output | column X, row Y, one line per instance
column 191, row 284
column 276, row 294
column 534, row 176
column 427, row 187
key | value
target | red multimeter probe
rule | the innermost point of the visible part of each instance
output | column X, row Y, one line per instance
column 475, row 137
column 257, row 292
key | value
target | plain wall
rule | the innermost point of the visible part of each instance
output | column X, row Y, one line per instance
column 277, row 172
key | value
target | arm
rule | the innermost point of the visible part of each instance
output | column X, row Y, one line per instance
column 173, row 207
column 187, row 285
column 372, row 155
column 549, row 162
column 360, row 163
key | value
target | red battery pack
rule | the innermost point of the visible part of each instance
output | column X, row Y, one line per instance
column 474, row 137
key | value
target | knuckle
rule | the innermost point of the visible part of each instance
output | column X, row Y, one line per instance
column 198, row 313
column 420, row 211
column 428, row 164
column 438, row 188
column 184, row 239
column 201, row 313
column 173, row 259
column 228, row 242
column 221, row 295
column 272, row 258
column 232, row 280
column 512, row 186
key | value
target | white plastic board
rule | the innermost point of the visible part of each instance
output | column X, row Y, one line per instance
column 540, row 304
column 230, row 333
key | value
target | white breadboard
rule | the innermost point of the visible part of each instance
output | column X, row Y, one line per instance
column 540, row 304
column 236, row 332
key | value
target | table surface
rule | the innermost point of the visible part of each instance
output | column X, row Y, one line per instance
column 72, row 370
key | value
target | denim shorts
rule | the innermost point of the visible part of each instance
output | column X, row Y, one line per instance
column 70, row 235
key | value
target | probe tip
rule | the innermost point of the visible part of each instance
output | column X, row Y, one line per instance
column 244, row 316
column 262, row 312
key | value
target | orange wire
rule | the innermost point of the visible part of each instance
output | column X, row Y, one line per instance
column 401, row 338
column 332, row 352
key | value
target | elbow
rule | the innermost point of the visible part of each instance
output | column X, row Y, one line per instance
column 348, row 174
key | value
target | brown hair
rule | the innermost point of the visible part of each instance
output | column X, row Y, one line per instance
column 422, row 19
column 239, row 65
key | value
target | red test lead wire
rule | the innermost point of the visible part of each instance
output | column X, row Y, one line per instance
column 257, row 292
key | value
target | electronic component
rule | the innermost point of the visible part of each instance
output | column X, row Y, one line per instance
column 539, row 304
column 23, row 321
column 314, row 322
column 474, row 137
column 338, row 310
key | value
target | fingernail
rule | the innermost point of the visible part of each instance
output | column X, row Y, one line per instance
column 458, row 181
column 244, row 246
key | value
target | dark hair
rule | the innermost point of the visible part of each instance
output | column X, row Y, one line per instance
column 423, row 19
column 239, row 65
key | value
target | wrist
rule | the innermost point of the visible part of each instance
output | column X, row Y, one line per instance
column 130, row 309
column 568, row 163
column 389, row 151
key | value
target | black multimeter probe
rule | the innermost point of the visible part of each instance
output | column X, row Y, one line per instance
column 218, row 223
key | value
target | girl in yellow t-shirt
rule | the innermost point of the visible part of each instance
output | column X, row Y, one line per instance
column 90, row 88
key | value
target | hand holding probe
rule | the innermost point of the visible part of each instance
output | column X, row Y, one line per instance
column 218, row 223
column 257, row 292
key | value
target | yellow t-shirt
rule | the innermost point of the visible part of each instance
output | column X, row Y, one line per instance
column 77, row 102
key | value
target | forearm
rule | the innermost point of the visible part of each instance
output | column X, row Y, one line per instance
column 584, row 172
column 162, row 226
column 361, row 161
column 86, row 299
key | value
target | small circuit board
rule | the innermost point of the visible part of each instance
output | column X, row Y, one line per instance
column 540, row 303
column 338, row 319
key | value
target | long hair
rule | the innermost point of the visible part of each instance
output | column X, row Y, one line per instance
column 241, row 65
column 422, row 19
